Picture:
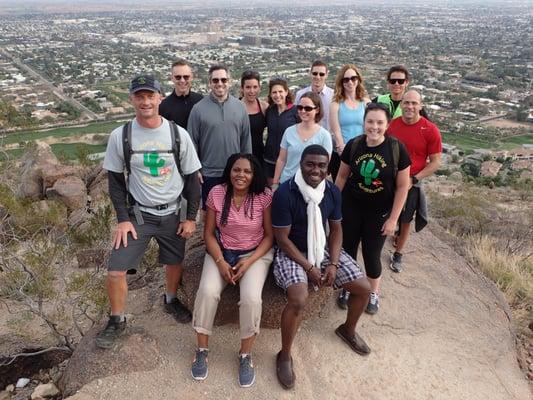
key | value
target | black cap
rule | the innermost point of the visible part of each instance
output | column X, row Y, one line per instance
column 145, row 82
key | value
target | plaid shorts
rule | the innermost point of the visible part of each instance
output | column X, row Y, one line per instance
column 287, row 272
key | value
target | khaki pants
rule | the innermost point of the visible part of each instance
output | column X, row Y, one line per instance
column 250, row 304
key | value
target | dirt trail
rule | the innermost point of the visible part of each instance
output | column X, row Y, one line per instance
column 442, row 333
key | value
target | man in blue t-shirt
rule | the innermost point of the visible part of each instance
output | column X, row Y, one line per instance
column 300, row 209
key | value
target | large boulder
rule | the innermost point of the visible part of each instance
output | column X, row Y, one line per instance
column 71, row 191
column 36, row 159
column 97, row 186
column 274, row 299
column 137, row 351
column 52, row 173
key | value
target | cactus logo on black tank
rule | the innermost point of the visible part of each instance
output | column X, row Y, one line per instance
column 157, row 165
column 370, row 167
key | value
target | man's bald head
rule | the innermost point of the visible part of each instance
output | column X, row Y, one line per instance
column 411, row 105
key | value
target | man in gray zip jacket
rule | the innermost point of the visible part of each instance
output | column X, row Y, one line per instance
column 219, row 127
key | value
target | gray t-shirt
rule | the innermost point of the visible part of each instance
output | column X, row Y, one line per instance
column 154, row 177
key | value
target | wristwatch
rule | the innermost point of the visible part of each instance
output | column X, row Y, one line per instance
column 414, row 179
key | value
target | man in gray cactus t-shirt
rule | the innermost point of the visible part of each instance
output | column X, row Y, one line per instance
column 146, row 202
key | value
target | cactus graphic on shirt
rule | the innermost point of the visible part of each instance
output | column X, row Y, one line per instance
column 369, row 171
column 152, row 161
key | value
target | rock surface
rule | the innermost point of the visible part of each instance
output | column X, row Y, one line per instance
column 442, row 332
column 71, row 191
column 44, row 391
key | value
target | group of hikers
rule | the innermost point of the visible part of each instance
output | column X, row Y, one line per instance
column 336, row 170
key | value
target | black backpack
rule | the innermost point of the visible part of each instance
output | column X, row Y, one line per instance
column 128, row 151
column 394, row 145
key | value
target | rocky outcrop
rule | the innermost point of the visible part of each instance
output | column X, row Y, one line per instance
column 71, row 191
column 33, row 162
column 136, row 351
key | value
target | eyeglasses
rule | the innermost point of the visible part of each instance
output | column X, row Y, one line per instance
column 347, row 79
column 398, row 81
column 315, row 73
column 179, row 77
column 305, row 108
column 216, row 80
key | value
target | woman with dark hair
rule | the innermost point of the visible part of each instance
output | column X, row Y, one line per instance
column 251, row 88
column 374, row 180
column 238, row 238
column 346, row 111
column 280, row 114
column 297, row 137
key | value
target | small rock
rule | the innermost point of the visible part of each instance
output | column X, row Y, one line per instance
column 22, row 382
column 45, row 391
column 5, row 395
column 10, row 388
column 530, row 376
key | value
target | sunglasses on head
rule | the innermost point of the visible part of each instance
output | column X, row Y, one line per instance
column 315, row 73
column 216, row 80
column 347, row 79
column 305, row 108
column 398, row 81
column 185, row 77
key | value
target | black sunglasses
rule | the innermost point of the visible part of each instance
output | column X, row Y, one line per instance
column 216, row 80
column 314, row 73
column 305, row 108
column 185, row 77
column 347, row 79
column 398, row 81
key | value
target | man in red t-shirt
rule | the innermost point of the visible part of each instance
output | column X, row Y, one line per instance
column 423, row 142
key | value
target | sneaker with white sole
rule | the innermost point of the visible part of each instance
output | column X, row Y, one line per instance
column 342, row 300
column 373, row 304
column 396, row 262
column 246, row 371
column 199, row 365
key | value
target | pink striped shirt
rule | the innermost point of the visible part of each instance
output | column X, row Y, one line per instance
column 241, row 232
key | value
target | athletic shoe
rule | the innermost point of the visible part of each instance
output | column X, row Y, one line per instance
column 178, row 310
column 114, row 328
column 373, row 304
column 342, row 300
column 199, row 365
column 246, row 371
column 396, row 262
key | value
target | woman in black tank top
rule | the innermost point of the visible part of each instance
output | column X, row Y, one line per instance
column 251, row 88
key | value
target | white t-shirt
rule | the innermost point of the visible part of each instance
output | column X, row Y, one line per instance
column 154, row 178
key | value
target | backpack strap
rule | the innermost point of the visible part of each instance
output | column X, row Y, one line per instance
column 175, row 139
column 355, row 145
column 395, row 151
column 126, row 146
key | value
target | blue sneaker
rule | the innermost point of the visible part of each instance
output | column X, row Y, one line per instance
column 246, row 371
column 199, row 365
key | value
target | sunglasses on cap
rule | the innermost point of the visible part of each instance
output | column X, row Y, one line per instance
column 347, row 79
column 305, row 108
column 315, row 73
column 216, row 80
column 179, row 77
column 398, row 81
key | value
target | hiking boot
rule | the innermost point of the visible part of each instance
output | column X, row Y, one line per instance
column 342, row 300
column 373, row 304
column 114, row 328
column 246, row 371
column 396, row 262
column 199, row 365
column 178, row 310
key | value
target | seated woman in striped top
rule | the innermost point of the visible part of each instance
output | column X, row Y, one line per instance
column 238, row 238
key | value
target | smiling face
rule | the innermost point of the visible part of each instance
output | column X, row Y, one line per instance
column 411, row 105
column 312, row 110
column 250, row 90
column 219, row 84
column 146, row 104
column 319, row 74
column 241, row 175
column 396, row 83
column 182, row 79
column 350, row 81
column 314, row 169
column 376, row 124
column 278, row 94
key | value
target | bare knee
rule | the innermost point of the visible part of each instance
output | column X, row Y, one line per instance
column 297, row 300
column 359, row 287
column 114, row 277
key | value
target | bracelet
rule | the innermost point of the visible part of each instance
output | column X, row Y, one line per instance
column 336, row 264
column 309, row 269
